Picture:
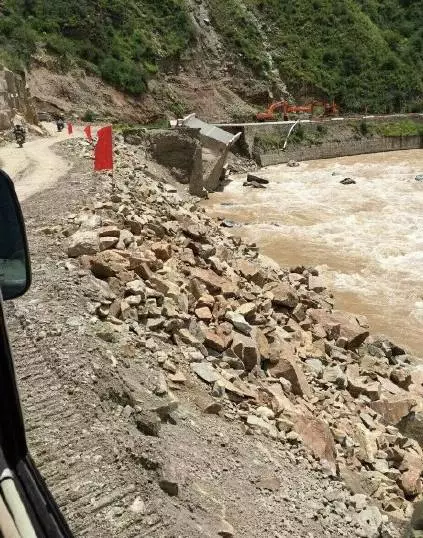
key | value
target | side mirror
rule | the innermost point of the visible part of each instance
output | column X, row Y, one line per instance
column 15, row 266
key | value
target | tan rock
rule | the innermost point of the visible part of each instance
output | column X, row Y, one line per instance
column 206, row 300
column 316, row 435
column 246, row 349
column 213, row 282
column 410, row 482
column 394, row 408
column 367, row 443
column 316, row 284
column 280, row 403
column 204, row 314
column 325, row 325
column 280, row 348
column 284, row 295
column 291, row 370
column 361, row 385
column 162, row 250
column 353, row 328
column 219, row 340
column 247, row 310
column 239, row 322
column 188, row 338
column 109, row 231
column 108, row 263
column 250, row 271
column 166, row 287
column 136, row 287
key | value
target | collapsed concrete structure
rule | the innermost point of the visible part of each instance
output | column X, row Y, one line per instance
column 214, row 146
column 195, row 152
column 14, row 98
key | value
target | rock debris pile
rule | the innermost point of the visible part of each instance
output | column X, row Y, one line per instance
column 268, row 343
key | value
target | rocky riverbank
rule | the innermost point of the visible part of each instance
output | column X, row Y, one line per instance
column 271, row 349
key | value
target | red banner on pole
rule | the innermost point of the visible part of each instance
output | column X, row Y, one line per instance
column 70, row 128
column 88, row 134
column 104, row 150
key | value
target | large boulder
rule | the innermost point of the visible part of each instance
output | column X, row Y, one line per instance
column 350, row 330
column 316, row 436
column 412, row 467
column 394, row 408
column 82, row 243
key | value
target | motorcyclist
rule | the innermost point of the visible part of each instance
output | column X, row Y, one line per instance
column 20, row 134
column 60, row 123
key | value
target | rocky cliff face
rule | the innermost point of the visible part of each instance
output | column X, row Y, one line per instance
column 14, row 97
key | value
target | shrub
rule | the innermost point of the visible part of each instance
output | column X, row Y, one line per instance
column 88, row 116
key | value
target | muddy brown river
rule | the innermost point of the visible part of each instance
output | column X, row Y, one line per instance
column 366, row 239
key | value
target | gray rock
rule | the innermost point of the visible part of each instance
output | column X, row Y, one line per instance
column 205, row 371
column 239, row 322
column 348, row 181
column 419, row 177
column 147, row 423
column 169, row 480
column 370, row 521
column 315, row 366
column 359, row 501
column 80, row 243
column 257, row 179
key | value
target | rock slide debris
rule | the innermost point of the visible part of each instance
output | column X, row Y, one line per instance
column 268, row 343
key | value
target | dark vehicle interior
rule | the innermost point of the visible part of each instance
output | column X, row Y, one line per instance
column 27, row 509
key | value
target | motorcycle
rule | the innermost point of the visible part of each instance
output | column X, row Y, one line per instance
column 20, row 137
column 60, row 125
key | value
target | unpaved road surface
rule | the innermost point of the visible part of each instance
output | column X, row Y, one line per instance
column 35, row 166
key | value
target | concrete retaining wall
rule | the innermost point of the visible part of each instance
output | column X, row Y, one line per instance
column 322, row 139
column 329, row 150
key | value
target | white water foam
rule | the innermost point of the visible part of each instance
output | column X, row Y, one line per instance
column 368, row 235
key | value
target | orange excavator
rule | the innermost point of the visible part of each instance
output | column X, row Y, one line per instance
column 329, row 109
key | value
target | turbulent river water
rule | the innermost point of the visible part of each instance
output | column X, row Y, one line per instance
column 366, row 239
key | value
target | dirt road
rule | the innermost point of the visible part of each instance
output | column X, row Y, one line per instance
column 36, row 166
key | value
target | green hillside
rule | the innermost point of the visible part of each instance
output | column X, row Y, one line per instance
column 124, row 41
column 362, row 53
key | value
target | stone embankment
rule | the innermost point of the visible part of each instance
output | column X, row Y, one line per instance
column 272, row 350
column 328, row 139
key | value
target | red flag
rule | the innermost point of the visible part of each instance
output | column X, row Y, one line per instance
column 88, row 134
column 70, row 128
column 104, row 150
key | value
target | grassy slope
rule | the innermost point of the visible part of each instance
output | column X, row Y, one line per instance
column 359, row 52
